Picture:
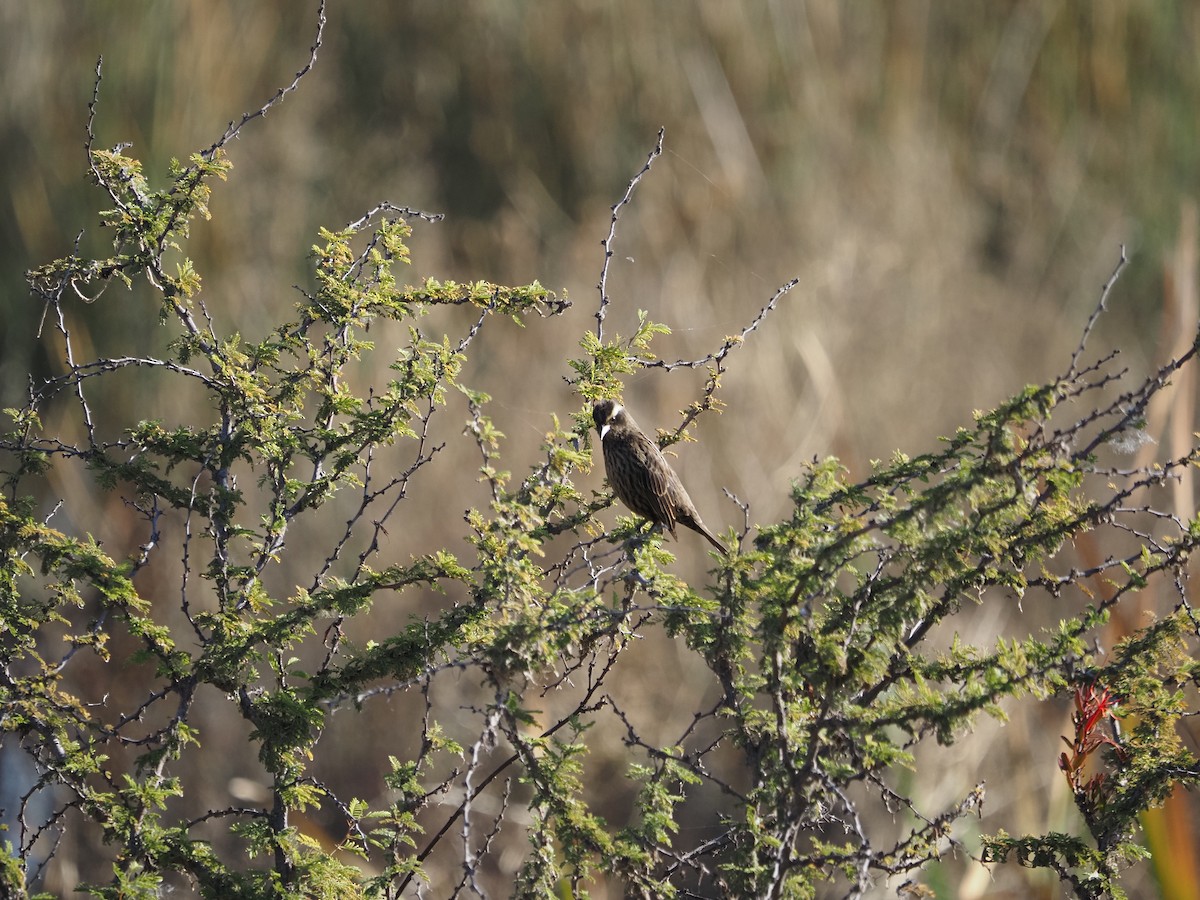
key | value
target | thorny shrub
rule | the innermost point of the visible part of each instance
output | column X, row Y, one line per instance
column 820, row 633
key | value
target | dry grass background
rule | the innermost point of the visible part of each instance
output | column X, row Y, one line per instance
column 949, row 181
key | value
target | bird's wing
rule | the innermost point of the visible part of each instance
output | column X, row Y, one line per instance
column 661, row 483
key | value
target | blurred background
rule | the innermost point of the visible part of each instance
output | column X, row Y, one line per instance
column 950, row 182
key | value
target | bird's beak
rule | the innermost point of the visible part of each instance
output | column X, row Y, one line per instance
column 604, row 430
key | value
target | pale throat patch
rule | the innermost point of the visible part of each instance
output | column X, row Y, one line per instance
column 616, row 411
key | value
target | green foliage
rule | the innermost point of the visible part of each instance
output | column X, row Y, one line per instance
column 829, row 637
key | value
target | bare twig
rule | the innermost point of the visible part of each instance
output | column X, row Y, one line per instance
column 234, row 128
column 731, row 343
column 1072, row 370
column 611, row 238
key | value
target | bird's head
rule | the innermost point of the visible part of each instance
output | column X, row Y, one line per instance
column 607, row 414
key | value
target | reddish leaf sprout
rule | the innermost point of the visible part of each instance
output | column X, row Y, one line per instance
column 1092, row 707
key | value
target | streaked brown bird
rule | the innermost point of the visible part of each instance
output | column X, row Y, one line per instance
column 641, row 476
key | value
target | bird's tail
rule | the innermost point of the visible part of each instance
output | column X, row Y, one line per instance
column 700, row 528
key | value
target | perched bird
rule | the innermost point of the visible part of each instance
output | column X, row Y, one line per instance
column 641, row 476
